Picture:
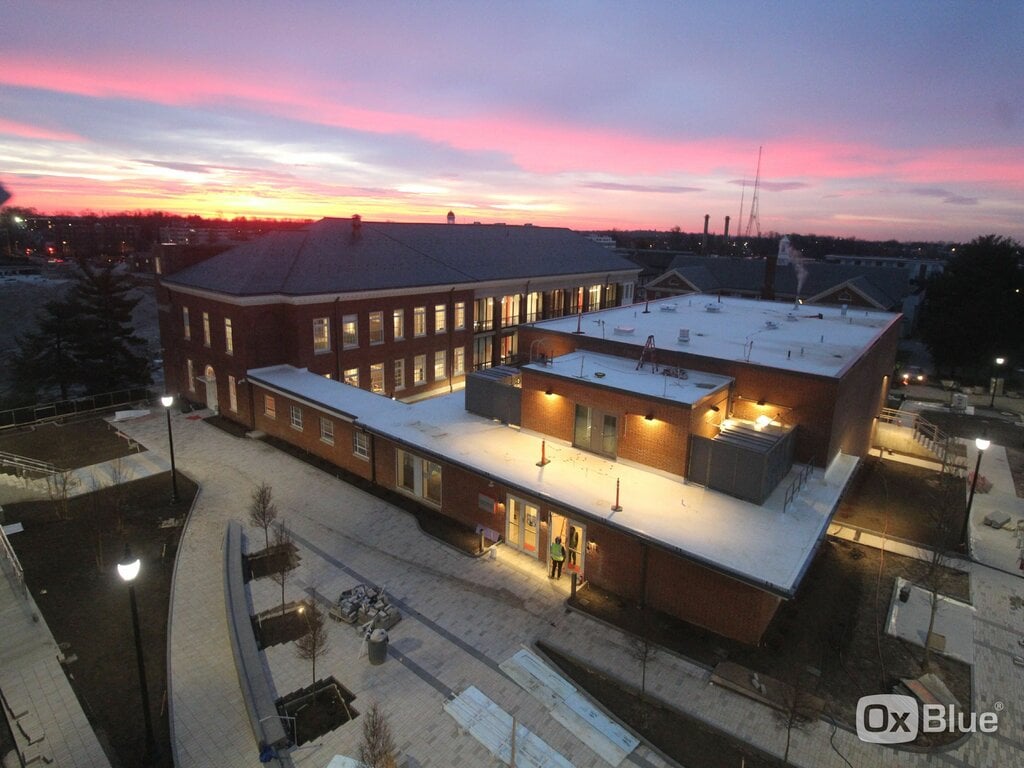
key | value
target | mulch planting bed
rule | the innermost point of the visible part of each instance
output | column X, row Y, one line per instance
column 266, row 562
column 279, row 628
column 70, row 567
column 318, row 709
column 67, row 446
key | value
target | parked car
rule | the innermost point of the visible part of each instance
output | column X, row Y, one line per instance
column 912, row 374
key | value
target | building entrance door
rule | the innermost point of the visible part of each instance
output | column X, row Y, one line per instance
column 211, row 389
column 521, row 524
column 574, row 537
column 596, row 431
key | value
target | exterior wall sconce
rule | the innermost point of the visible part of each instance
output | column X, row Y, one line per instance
column 761, row 401
column 548, row 392
column 649, row 417
column 713, row 408
column 592, row 546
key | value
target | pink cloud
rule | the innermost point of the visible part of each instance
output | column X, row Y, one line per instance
column 25, row 131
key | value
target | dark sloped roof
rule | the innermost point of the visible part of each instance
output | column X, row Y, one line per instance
column 886, row 287
column 333, row 256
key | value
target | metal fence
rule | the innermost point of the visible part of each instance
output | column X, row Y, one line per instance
column 69, row 409
column 7, row 551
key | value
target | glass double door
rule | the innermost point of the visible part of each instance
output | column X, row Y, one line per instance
column 521, row 528
column 596, row 431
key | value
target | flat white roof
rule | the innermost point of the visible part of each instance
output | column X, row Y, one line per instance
column 681, row 385
column 815, row 339
column 762, row 545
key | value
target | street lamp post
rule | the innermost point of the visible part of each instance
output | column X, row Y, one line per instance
column 167, row 402
column 128, row 569
column 999, row 361
column 982, row 444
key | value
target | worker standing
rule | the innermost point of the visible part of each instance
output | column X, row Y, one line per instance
column 557, row 558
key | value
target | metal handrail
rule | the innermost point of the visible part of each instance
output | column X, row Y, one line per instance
column 797, row 485
column 12, row 557
column 25, row 464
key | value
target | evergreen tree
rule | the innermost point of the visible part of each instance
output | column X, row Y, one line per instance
column 45, row 360
column 971, row 312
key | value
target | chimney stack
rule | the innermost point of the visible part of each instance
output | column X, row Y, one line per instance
column 704, row 240
column 726, row 235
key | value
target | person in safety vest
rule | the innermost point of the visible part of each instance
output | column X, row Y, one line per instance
column 557, row 558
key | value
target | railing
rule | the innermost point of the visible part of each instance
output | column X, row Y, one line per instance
column 12, row 558
column 798, row 483
column 925, row 432
column 24, row 464
column 42, row 412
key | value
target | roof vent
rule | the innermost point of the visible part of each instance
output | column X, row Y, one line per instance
column 669, row 307
column 712, row 307
column 684, row 336
column 625, row 330
column 771, row 325
column 451, row 217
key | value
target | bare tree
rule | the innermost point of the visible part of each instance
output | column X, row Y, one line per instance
column 60, row 485
column 281, row 558
column 99, row 520
column 314, row 644
column 945, row 511
column 119, row 475
column 262, row 510
column 642, row 650
column 378, row 747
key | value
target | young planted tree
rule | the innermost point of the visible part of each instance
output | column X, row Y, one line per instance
column 314, row 644
column 61, row 486
column 281, row 559
column 262, row 510
column 378, row 747
column 946, row 512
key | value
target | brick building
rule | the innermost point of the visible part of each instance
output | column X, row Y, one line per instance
column 404, row 310
column 697, row 477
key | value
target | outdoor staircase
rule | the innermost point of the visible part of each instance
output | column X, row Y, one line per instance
column 945, row 449
column 24, row 479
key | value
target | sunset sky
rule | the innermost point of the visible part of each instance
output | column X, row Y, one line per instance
column 880, row 120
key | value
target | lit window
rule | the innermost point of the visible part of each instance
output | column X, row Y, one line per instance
column 377, row 377
column 351, row 376
column 510, row 311
column 376, row 327
column 440, row 318
column 419, row 321
column 326, row 431
column 440, row 365
column 483, row 314
column 458, row 361
column 419, row 477
column 350, row 331
column 361, row 445
column 460, row 315
column 398, row 320
column 206, row 328
column 295, row 417
column 232, row 394
column 191, row 373
column 269, row 406
column 594, row 297
column 229, row 337
column 399, row 374
column 322, row 334
column 419, row 369
column 187, row 325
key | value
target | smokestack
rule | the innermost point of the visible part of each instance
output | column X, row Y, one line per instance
column 768, row 289
column 726, row 235
column 704, row 240
column 451, row 217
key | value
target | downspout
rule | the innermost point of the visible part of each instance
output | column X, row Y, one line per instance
column 337, row 340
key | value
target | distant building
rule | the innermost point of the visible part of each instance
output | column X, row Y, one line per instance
column 398, row 309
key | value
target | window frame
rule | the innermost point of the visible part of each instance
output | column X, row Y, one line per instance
column 350, row 338
column 295, row 417
column 269, row 406
column 398, row 324
column 419, row 322
column 186, row 323
column 321, row 341
column 361, row 445
column 377, row 337
column 326, row 431
column 419, row 366
column 440, row 318
column 399, row 373
column 229, row 337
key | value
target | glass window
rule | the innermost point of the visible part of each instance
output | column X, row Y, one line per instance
column 322, row 334
column 377, row 377
column 460, row 315
column 419, row 369
column 458, row 361
column 376, row 327
column 398, row 321
column 419, row 321
column 431, row 481
column 295, row 417
column 509, row 311
column 350, row 331
column 483, row 314
column 407, row 471
column 440, row 318
column 440, row 365
column 269, row 406
column 361, row 445
column 326, row 431
column 232, row 394
column 533, row 306
column 482, row 352
column 399, row 374
column 594, row 297
column 187, row 327
column 206, row 328
column 229, row 338
column 351, row 376
column 191, row 373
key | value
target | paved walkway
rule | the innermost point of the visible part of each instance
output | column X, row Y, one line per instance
column 463, row 617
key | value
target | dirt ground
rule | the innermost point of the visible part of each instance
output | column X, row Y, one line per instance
column 67, row 446
column 86, row 605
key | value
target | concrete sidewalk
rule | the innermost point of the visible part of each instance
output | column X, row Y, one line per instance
column 462, row 618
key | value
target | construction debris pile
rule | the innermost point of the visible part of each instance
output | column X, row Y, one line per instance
column 366, row 606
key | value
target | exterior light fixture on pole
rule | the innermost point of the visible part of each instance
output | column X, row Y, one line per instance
column 128, row 569
column 995, row 380
column 982, row 444
column 167, row 401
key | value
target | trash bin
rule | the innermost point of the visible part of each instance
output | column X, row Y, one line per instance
column 377, row 646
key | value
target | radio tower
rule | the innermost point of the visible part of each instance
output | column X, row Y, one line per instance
column 754, row 222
